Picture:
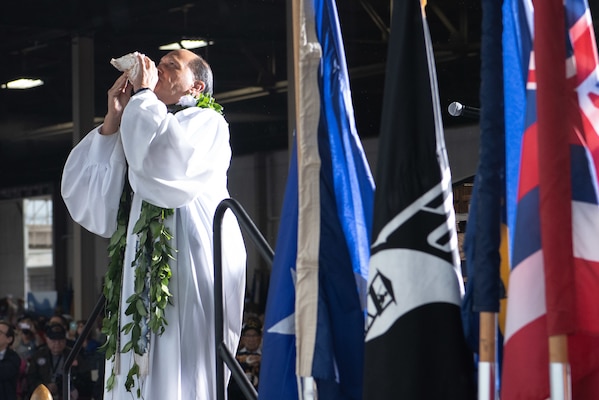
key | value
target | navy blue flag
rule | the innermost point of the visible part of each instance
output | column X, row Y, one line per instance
column 415, row 347
column 486, row 227
column 486, row 216
column 331, row 184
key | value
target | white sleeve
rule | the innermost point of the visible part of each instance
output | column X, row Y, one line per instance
column 92, row 182
column 174, row 158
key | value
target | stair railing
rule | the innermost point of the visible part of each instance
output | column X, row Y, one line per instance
column 223, row 354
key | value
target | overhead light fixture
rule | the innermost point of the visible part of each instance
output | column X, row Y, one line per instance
column 22, row 83
column 187, row 44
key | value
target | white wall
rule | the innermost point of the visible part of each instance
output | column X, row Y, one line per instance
column 257, row 182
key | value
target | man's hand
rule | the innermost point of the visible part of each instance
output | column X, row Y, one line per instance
column 118, row 97
column 147, row 77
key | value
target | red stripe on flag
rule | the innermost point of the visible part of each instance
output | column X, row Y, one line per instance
column 587, row 276
column 554, row 166
column 529, row 378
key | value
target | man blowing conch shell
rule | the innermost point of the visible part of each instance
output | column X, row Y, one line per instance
column 175, row 161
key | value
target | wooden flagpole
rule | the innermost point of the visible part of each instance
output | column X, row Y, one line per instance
column 486, row 351
column 559, row 368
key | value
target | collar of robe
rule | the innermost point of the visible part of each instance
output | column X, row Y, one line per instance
column 203, row 100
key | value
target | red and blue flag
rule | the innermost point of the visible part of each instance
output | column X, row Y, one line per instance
column 553, row 200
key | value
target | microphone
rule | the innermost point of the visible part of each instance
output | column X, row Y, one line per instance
column 456, row 109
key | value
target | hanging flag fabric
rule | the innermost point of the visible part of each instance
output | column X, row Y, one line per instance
column 415, row 347
column 517, row 47
column 538, row 304
column 277, row 368
column 553, row 135
column 333, row 190
column 484, row 226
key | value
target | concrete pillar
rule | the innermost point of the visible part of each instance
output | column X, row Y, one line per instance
column 85, row 294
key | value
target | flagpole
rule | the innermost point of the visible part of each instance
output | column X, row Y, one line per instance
column 559, row 368
column 486, row 364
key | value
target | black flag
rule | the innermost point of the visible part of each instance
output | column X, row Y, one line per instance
column 414, row 338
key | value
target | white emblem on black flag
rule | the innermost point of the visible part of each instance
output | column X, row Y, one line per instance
column 380, row 295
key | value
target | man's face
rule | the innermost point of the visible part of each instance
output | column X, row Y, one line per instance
column 252, row 340
column 56, row 346
column 175, row 79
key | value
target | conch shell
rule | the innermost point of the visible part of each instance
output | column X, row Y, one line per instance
column 127, row 63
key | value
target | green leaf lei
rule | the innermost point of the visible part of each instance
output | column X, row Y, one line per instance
column 147, row 305
column 207, row 101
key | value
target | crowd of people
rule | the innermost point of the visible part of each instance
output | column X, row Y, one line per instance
column 33, row 350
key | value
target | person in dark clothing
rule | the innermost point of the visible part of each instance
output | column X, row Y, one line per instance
column 249, row 356
column 10, row 363
column 91, row 363
column 46, row 366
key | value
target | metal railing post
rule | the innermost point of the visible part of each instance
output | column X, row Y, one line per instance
column 223, row 355
column 68, row 363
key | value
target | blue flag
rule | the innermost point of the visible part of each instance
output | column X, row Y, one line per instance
column 486, row 229
column 277, row 369
column 335, row 219
column 483, row 233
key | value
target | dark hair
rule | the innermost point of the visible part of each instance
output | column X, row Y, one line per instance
column 252, row 324
column 202, row 72
column 10, row 332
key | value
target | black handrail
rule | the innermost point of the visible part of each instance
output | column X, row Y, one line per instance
column 221, row 349
column 68, row 363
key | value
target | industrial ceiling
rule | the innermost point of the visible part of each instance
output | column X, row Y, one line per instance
column 249, row 56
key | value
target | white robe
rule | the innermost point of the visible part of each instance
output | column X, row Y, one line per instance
column 175, row 161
